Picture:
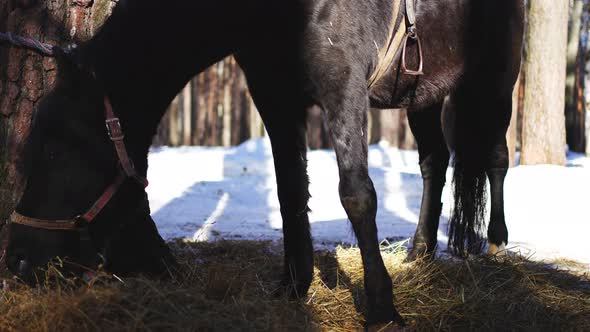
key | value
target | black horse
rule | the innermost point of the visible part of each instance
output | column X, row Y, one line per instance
column 296, row 54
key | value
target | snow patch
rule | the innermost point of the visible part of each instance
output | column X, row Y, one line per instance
column 204, row 194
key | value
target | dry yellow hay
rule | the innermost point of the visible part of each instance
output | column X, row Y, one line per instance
column 229, row 286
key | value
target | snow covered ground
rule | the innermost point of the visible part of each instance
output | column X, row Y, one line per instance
column 211, row 193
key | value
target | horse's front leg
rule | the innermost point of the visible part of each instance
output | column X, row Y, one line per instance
column 496, row 169
column 346, row 116
column 288, row 138
column 283, row 113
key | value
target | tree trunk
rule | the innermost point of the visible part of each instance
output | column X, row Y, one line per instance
column 26, row 76
column 577, row 129
column 227, row 97
column 389, row 123
column 543, row 137
column 512, row 133
column 174, row 122
column 187, row 109
column 314, row 127
column 574, row 76
column 572, row 49
column 587, row 132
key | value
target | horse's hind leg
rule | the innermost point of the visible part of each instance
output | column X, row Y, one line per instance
column 434, row 160
column 496, row 169
column 283, row 113
column 480, row 152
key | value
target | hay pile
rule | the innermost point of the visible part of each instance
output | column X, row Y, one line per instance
column 228, row 286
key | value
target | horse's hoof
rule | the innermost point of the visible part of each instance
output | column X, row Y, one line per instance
column 389, row 327
column 292, row 290
column 419, row 253
column 391, row 321
column 497, row 250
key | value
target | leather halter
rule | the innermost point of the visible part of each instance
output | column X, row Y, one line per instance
column 399, row 35
column 115, row 132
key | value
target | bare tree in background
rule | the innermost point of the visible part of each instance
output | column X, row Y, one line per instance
column 543, row 133
column 574, row 93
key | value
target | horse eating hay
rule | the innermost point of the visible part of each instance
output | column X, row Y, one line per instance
column 296, row 54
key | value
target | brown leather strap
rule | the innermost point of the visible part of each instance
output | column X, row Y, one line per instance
column 116, row 135
column 72, row 224
column 75, row 223
column 115, row 132
column 399, row 37
column 411, row 12
column 389, row 49
column 61, row 225
column 104, row 199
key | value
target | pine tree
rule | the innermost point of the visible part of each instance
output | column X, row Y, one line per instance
column 543, row 136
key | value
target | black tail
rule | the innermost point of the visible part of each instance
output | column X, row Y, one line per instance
column 492, row 59
column 466, row 226
column 471, row 144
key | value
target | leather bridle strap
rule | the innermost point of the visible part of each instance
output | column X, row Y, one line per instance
column 115, row 132
column 103, row 200
column 72, row 224
column 54, row 225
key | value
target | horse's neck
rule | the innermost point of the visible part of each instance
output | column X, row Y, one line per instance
column 148, row 50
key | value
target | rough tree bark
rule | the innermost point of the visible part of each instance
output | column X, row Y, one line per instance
column 587, row 131
column 574, row 76
column 26, row 76
column 572, row 49
column 576, row 131
column 543, row 137
column 512, row 133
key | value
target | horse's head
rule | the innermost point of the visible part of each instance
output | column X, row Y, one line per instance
column 69, row 161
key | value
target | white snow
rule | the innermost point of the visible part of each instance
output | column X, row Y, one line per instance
column 205, row 194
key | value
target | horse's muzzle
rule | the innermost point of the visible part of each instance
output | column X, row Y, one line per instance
column 21, row 268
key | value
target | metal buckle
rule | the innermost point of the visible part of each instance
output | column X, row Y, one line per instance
column 80, row 222
column 412, row 32
column 114, row 129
